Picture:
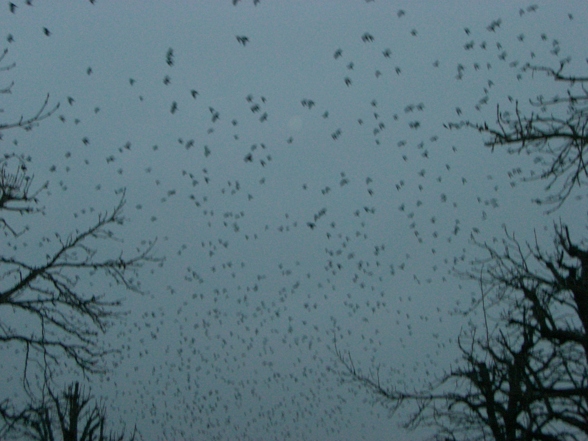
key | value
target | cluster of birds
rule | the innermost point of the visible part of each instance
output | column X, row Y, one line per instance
column 277, row 248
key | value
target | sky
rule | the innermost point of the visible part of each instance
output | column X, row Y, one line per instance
column 308, row 192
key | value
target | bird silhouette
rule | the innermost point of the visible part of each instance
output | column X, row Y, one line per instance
column 367, row 37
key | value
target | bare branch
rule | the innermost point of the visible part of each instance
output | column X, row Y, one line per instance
column 558, row 143
column 527, row 378
column 49, row 293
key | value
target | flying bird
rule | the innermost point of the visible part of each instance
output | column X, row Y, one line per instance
column 242, row 39
column 367, row 37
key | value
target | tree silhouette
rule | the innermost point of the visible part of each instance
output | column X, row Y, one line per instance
column 46, row 291
column 527, row 377
column 72, row 415
column 47, row 305
column 523, row 374
column 23, row 122
column 555, row 133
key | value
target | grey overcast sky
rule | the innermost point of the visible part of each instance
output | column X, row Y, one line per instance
column 301, row 195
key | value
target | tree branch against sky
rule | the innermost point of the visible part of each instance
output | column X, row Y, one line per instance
column 72, row 414
column 523, row 372
column 291, row 159
column 528, row 377
column 554, row 134
column 46, row 306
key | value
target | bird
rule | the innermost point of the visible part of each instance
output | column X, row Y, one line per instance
column 242, row 39
column 12, row 7
column 338, row 53
column 367, row 37
column 194, row 93
column 47, row 32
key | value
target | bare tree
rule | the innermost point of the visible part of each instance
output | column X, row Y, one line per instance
column 526, row 378
column 48, row 303
column 23, row 122
column 554, row 132
column 523, row 373
column 73, row 415
column 68, row 319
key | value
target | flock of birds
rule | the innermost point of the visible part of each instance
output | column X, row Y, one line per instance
column 279, row 242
